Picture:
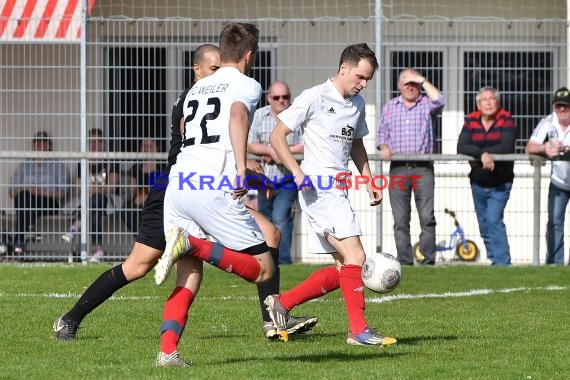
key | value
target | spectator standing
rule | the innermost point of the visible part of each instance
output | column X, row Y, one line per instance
column 279, row 207
column 406, row 127
column 37, row 187
column 551, row 138
column 490, row 130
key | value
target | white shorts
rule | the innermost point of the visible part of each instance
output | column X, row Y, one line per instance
column 211, row 212
column 329, row 213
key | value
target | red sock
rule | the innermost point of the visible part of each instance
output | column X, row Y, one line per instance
column 352, row 289
column 175, row 317
column 318, row 284
column 228, row 260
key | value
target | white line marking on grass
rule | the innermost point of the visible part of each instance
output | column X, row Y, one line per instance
column 71, row 295
column 380, row 299
column 467, row 293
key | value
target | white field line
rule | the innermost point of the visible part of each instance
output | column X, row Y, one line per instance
column 467, row 293
column 379, row 299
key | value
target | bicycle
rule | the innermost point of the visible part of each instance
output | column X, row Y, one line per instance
column 465, row 249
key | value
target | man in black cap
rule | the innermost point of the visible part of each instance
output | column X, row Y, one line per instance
column 551, row 138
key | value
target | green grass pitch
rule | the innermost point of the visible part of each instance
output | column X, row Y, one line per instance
column 456, row 322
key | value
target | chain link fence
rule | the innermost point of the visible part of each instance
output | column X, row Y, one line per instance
column 121, row 68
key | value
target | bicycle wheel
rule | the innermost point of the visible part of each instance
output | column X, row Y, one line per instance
column 418, row 255
column 468, row 251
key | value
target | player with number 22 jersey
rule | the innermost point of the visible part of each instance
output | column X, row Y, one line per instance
column 206, row 146
column 207, row 154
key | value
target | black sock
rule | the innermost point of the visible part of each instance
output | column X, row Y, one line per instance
column 269, row 287
column 99, row 291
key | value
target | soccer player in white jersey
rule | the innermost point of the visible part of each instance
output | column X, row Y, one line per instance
column 332, row 118
column 205, row 184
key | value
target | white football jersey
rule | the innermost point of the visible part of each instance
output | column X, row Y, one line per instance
column 560, row 169
column 206, row 147
column 329, row 123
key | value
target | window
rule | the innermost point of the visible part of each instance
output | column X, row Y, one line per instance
column 137, row 88
column 524, row 80
column 137, row 96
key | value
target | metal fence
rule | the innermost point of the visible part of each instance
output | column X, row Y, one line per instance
column 121, row 64
column 525, row 215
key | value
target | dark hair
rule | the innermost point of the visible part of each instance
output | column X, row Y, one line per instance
column 95, row 132
column 43, row 136
column 202, row 50
column 236, row 40
column 353, row 54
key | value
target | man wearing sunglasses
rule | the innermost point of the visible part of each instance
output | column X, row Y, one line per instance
column 278, row 209
column 551, row 138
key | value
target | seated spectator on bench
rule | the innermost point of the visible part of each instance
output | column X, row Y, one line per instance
column 104, row 196
column 37, row 187
column 139, row 176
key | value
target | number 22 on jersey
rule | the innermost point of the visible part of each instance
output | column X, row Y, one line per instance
column 206, row 138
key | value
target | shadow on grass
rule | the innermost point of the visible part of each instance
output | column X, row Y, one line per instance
column 415, row 340
column 363, row 354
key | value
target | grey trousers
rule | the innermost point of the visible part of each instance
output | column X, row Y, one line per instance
column 400, row 192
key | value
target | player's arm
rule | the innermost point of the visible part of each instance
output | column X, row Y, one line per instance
column 360, row 158
column 278, row 141
column 238, row 131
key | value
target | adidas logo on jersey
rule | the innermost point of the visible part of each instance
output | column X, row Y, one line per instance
column 331, row 111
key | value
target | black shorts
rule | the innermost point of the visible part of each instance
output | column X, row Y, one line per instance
column 151, row 228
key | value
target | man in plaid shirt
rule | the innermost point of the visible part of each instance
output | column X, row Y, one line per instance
column 278, row 209
column 406, row 128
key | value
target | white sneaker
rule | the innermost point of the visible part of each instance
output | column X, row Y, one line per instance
column 177, row 245
column 172, row 360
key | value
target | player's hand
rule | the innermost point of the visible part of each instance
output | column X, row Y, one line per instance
column 254, row 166
column 375, row 195
column 303, row 182
column 488, row 162
column 239, row 186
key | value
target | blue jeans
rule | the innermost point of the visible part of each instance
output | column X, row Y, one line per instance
column 279, row 210
column 557, row 202
column 490, row 203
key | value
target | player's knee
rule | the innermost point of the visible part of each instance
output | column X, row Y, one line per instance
column 141, row 261
column 273, row 237
column 134, row 271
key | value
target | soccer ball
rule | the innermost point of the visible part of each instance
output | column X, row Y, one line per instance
column 381, row 272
